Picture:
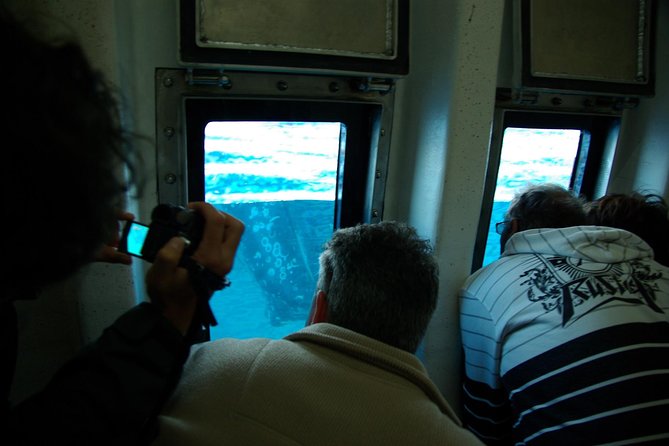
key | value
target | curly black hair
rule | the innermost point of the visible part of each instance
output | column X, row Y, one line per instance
column 64, row 153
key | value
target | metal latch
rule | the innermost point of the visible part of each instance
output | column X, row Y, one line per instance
column 380, row 85
column 215, row 78
column 525, row 97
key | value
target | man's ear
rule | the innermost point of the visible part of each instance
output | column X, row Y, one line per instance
column 509, row 230
column 319, row 308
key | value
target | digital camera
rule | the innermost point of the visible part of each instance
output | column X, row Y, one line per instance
column 144, row 241
column 167, row 221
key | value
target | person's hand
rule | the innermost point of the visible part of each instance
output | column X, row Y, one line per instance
column 169, row 286
column 108, row 252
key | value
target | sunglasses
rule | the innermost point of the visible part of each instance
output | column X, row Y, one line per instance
column 501, row 226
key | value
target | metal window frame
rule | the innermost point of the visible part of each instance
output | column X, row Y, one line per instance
column 598, row 116
column 174, row 86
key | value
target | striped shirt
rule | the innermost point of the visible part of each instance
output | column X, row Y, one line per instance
column 566, row 341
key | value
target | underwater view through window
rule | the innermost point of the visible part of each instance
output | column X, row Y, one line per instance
column 529, row 156
column 280, row 179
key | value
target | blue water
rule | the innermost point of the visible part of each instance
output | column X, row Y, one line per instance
column 492, row 247
column 280, row 179
column 529, row 156
column 276, row 268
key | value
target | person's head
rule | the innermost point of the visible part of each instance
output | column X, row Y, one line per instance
column 380, row 280
column 64, row 149
column 647, row 216
column 542, row 206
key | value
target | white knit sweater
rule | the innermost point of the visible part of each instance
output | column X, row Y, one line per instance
column 323, row 385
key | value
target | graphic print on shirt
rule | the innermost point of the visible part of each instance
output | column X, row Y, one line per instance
column 562, row 284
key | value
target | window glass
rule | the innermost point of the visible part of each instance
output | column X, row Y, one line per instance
column 280, row 179
column 529, row 156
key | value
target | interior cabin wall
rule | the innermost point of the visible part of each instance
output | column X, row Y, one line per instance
column 506, row 64
column 641, row 162
column 443, row 120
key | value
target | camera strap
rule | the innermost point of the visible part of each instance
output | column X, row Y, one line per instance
column 205, row 282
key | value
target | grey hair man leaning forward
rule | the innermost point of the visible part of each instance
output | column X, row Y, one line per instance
column 349, row 378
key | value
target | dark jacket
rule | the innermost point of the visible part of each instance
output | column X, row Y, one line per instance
column 108, row 394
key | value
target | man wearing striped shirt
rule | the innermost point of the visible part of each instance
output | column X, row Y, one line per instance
column 566, row 336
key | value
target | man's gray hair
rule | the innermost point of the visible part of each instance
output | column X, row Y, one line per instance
column 381, row 281
column 546, row 206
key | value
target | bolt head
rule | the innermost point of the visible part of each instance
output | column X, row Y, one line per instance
column 170, row 178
